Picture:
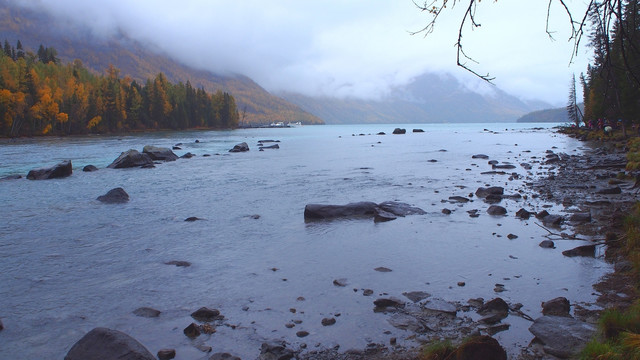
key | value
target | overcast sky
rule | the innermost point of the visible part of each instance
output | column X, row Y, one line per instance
column 345, row 47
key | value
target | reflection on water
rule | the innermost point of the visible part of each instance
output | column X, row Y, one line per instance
column 69, row 263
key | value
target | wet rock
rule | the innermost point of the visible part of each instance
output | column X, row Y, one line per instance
column 399, row 131
column 131, row 158
column 418, row 130
column 496, row 210
column 166, row 354
column 1, row 325
column 275, row 350
column 178, row 263
column 523, row 214
column 388, row 302
column 495, row 305
column 367, row 292
column 610, row 191
column 107, row 344
column 480, row 156
column 317, row 211
column 204, row 314
column 382, row 269
column 562, row 336
column 503, row 166
column 553, row 220
column 146, row 312
column 328, row 321
column 542, row 214
column 302, row 334
column 187, row 156
column 492, row 330
column 242, row 147
column 60, row 170
column 460, row 199
column 342, row 282
column 585, row 250
column 559, row 306
column 547, row 244
column 400, row 209
column 481, row 347
column 381, row 133
column 512, row 236
column 11, row 177
column 493, row 190
column 383, row 216
column 581, row 217
column 407, row 322
column 440, row 305
column 416, row 296
column 223, row 356
column 192, row 219
column 176, row 147
column 192, row 331
column 274, row 146
column 89, row 168
column 159, row 153
column 114, row 196
column 446, row 211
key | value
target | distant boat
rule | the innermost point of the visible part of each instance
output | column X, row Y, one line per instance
column 297, row 123
column 277, row 124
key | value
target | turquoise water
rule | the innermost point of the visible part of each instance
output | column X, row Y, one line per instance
column 69, row 263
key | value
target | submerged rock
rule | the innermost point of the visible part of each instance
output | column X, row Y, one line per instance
column 399, row 131
column 114, row 196
column 11, row 177
column 416, row 296
column 178, row 263
column 131, row 158
column 146, row 312
column 205, row 314
column 89, row 168
column 562, row 336
column 107, row 344
column 60, row 170
column 383, row 303
column 159, row 153
column 480, row 156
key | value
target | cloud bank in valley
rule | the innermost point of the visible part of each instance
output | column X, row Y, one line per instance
column 359, row 48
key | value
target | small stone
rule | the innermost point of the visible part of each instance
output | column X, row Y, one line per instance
column 114, row 196
column 388, row 302
column 461, row 283
column 292, row 310
column 289, row 325
column 89, row 168
column 204, row 348
column 416, row 296
column 340, row 282
column 166, row 354
column 192, row 218
column 223, row 356
column 446, row 211
column 300, row 298
column 382, row 269
column 547, row 244
column 205, row 314
column 178, row 263
column 393, row 341
column 512, row 236
column 367, row 292
column 559, row 306
column 496, row 210
column 302, row 334
column 192, row 331
column 328, row 321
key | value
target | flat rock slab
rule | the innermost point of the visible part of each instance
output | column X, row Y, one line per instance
column 385, row 211
column 440, row 306
column 416, row 296
column 159, row 153
column 108, row 344
column 114, row 196
column 562, row 336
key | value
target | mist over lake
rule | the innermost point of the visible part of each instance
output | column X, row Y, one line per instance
column 69, row 263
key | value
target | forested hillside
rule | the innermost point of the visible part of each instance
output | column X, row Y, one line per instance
column 137, row 62
column 39, row 95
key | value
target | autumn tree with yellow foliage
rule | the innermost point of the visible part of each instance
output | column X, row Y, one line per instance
column 40, row 96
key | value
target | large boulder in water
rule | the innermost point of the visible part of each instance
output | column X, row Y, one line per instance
column 114, row 196
column 159, row 153
column 107, row 344
column 60, row 170
column 242, row 147
column 400, row 209
column 317, row 211
column 131, row 158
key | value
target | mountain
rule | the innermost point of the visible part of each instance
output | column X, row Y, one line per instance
column 557, row 115
column 429, row 98
column 136, row 60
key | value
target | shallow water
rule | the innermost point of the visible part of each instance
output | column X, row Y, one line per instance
column 69, row 263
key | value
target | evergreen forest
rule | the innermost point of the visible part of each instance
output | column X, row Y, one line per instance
column 41, row 96
column 611, row 86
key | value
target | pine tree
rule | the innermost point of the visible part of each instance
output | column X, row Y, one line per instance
column 572, row 106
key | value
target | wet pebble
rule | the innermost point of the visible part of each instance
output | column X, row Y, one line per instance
column 302, row 334
column 328, row 321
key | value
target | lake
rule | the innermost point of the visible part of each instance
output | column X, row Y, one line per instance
column 69, row 263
